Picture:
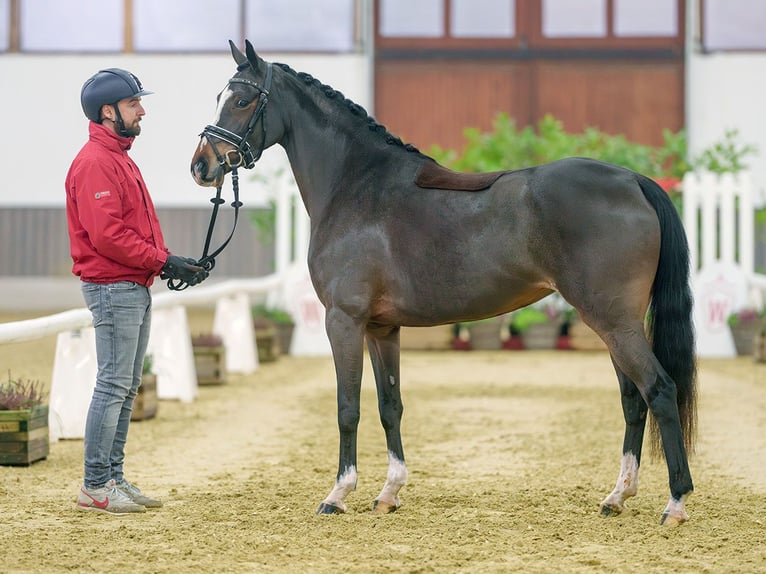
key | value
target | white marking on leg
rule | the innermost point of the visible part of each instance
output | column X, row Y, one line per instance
column 627, row 483
column 675, row 512
column 345, row 484
column 395, row 480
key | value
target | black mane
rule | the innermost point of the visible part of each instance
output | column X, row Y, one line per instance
column 353, row 107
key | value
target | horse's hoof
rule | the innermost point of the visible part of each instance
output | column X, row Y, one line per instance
column 380, row 507
column 672, row 520
column 607, row 510
column 326, row 508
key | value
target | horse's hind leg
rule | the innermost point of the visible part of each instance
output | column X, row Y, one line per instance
column 384, row 355
column 634, row 410
column 634, row 357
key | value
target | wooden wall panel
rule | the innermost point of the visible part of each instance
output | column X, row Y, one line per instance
column 432, row 102
column 637, row 100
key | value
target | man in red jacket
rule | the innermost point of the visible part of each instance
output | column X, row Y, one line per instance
column 118, row 249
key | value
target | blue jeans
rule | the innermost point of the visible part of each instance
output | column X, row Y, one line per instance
column 122, row 314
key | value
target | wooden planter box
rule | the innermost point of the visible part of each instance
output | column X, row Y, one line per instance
column 266, row 344
column 744, row 337
column 24, row 436
column 485, row 335
column 541, row 336
column 759, row 348
column 145, row 405
column 210, row 363
column 284, row 335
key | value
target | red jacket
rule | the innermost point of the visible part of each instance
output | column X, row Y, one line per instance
column 114, row 232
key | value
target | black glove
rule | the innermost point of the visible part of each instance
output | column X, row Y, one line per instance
column 183, row 269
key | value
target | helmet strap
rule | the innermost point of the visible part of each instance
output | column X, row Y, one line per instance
column 120, row 124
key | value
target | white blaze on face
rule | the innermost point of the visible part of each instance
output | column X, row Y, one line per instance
column 226, row 95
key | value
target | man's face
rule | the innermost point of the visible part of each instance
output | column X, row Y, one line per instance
column 131, row 111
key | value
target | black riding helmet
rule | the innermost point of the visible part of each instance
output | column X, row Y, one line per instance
column 107, row 87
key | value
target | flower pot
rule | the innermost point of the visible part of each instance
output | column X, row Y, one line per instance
column 485, row 335
column 541, row 336
column 266, row 343
column 284, row 334
column 744, row 336
column 24, row 436
column 759, row 350
column 145, row 404
column 210, row 364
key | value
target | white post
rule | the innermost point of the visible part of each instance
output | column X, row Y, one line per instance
column 172, row 354
column 728, row 221
column 74, row 377
column 234, row 324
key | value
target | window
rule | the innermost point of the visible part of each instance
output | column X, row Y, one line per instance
column 300, row 25
column 482, row 18
column 71, row 25
column 508, row 27
column 574, row 18
column 172, row 25
column 178, row 25
column 645, row 18
column 405, row 18
column 5, row 27
column 733, row 25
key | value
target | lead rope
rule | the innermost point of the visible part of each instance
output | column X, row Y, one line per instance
column 207, row 261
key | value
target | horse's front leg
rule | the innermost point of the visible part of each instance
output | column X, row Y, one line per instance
column 384, row 354
column 634, row 410
column 346, row 336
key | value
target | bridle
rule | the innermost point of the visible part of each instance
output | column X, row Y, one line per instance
column 241, row 156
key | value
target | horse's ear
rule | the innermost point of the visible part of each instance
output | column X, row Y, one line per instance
column 251, row 55
column 239, row 57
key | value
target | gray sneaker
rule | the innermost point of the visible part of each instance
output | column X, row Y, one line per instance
column 134, row 493
column 108, row 499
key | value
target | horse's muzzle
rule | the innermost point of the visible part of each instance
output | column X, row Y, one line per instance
column 203, row 175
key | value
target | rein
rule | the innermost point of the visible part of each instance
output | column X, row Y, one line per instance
column 241, row 156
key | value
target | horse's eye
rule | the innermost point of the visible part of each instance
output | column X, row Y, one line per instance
column 242, row 103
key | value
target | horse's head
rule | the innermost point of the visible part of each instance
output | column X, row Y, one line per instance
column 239, row 133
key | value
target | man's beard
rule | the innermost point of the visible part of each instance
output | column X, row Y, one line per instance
column 133, row 130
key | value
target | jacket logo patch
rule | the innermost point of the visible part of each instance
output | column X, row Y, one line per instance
column 100, row 194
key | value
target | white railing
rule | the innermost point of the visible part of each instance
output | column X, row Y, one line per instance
column 76, row 319
column 718, row 213
column 75, row 364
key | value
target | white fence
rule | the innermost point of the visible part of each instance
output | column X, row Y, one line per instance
column 718, row 216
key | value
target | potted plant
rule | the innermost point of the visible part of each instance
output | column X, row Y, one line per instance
column 745, row 325
column 480, row 335
column 145, row 404
column 280, row 321
column 759, row 351
column 23, row 422
column 209, row 358
column 544, row 324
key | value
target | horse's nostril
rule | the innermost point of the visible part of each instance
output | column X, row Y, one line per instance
column 200, row 168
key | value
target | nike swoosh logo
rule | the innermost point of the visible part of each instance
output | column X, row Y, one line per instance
column 102, row 504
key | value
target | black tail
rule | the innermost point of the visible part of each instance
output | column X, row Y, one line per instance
column 670, row 315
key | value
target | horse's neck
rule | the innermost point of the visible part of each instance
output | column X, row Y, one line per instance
column 319, row 154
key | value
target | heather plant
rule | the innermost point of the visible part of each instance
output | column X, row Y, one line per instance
column 17, row 394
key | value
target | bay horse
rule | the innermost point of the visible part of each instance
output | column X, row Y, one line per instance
column 398, row 240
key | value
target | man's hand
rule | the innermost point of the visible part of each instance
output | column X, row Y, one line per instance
column 183, row 269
